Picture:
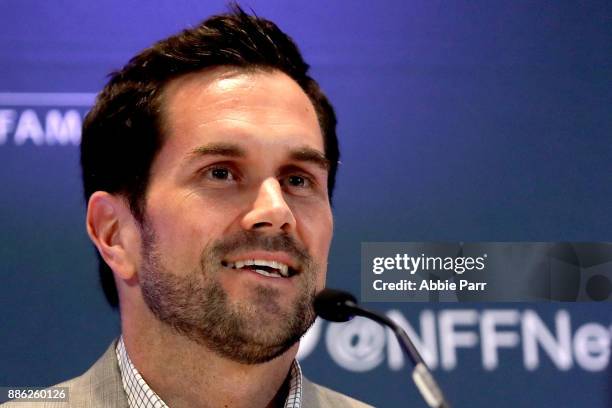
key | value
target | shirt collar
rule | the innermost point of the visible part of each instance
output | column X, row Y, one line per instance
column 140, row 395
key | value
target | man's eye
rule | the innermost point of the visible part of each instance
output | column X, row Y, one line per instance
column 298, row 181
column 220, row 173
column 298, row 184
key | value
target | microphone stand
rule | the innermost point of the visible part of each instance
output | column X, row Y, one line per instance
column 340, row 306
column 426, row 384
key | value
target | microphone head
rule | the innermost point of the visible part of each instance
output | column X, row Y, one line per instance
column 335, row 305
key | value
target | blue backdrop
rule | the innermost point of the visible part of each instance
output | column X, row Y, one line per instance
column 459, row 121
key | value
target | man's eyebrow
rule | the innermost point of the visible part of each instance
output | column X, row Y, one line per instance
column 307, row 154
column 217, row 149
column 303, row 154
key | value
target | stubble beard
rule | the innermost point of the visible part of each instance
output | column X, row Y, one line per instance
column 194, row 304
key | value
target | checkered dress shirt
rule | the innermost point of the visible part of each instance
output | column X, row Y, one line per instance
column 140, row 395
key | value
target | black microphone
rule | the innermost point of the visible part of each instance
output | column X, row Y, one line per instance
column 335, row 305
column 338, row 306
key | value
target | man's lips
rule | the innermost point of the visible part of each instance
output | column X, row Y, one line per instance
column 270, row 264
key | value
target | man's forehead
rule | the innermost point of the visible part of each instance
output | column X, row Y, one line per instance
column 249, row 107
column 223, row 90
column 220, row 76
column 211, row 84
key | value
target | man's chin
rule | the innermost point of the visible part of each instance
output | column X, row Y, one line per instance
column 255, row 346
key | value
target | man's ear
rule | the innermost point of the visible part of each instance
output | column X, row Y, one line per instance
column 114, row 231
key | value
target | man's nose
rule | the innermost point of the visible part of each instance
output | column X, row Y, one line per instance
column 269, row 211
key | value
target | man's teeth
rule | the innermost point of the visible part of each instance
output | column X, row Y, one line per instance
column 283, row 270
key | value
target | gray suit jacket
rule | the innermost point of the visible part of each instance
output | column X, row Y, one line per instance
column 101, row 387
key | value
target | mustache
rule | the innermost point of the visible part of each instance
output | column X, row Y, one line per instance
column 255, row 240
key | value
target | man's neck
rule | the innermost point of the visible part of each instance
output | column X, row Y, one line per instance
column 186, row 374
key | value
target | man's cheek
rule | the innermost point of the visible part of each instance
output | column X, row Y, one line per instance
column 321, row 275
column 321, row 283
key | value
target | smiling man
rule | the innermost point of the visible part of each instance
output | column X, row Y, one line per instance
column 237, row 222
column 208, row 165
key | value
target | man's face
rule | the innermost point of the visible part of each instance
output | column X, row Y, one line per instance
column 238, row 223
